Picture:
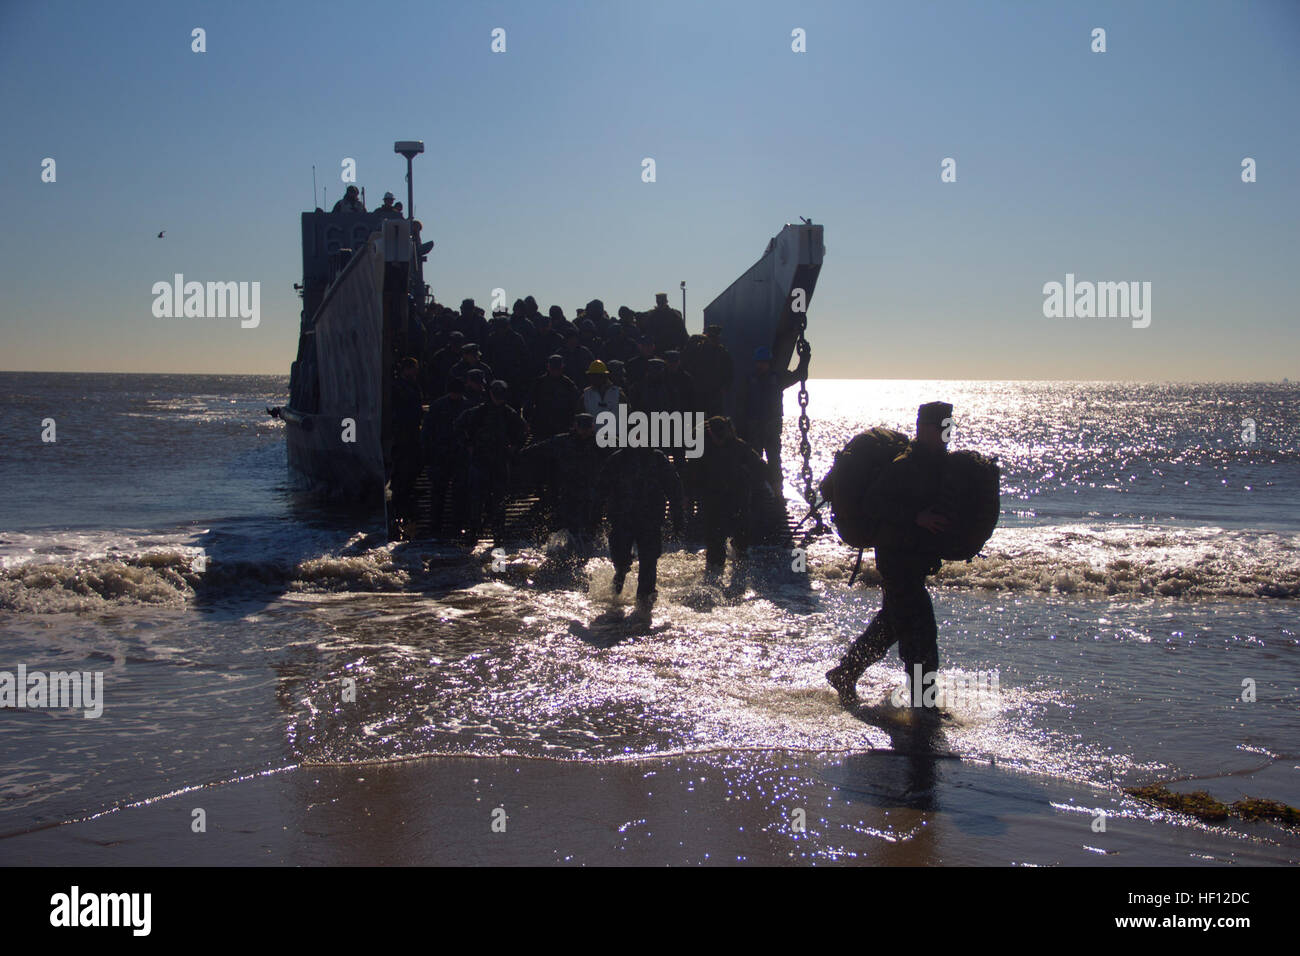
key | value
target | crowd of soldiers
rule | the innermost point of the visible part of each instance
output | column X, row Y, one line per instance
column 525, row 388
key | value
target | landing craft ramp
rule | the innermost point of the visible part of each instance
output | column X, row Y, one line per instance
column 758, row 309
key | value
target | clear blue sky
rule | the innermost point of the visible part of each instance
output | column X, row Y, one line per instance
column 1116, row 166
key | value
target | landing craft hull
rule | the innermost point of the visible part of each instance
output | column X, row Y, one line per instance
column 336, row 449
column 758, row 308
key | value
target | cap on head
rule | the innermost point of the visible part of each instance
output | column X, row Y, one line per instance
column 672, row 355
column 352, row 191
column 499, row 387
column 713, row 331
column 933, row 413
column 555, row 361
column 475, row 375
column 555, row 312
column 661, row 298
column 389, row 196
column 469, row 347
column 584, row 420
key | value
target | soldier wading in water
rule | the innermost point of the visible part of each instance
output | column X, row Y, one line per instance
column 905, row 555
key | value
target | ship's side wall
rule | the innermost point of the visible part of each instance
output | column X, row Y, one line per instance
column 348, row 332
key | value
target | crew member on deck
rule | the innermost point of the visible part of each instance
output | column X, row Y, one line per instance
column 351, row 201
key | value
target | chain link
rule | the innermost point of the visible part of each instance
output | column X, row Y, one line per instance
column 805, row 446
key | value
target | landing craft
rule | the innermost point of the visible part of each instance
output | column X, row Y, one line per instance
column 363, row 292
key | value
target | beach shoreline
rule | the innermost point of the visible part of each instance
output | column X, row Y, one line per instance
column 876, row 808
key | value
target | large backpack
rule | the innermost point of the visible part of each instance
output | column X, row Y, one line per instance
column 858, row 466
column 970, row 499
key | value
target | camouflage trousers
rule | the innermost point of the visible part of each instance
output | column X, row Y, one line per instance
column 905, row 618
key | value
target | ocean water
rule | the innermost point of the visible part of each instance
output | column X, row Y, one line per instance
column 1146, row 571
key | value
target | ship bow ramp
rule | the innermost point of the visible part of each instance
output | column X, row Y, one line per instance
column 758, row 309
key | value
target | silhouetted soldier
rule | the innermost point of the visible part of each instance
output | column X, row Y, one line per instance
column 653, row 393
column 709, row 364
column 407, row 458
column 761, row 424
column 573, row 460
column 575, row 354
column 906, row 554
column 476, row 387
column 618, row 347
column 634, row 370
column 681, row 385
column 470, row 322
column 548, row 342
column 665, row 325
column 469, row 359
column 492, row 432
column 553, row 401
column 442, row 362
column 351, row 201
column 523, row 325
column 616, row 375
column 727, row 475
column 633, row 486
column 444, row 458
column 507, row 354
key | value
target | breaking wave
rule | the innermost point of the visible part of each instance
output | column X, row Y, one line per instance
column 1151, row 561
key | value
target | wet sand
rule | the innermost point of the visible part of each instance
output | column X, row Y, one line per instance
column 741, row 808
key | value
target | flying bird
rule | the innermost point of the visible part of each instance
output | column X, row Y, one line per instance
column 160, row 235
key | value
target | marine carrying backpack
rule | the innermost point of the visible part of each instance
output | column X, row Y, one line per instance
column 969, row 495
column 847, row 486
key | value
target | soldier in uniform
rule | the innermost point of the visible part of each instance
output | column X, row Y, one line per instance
column 469, row 359
column 407, row 460
column 574, row 460
column 709, row 364
column 907, row 553
column 632, row 487
column 492, row 432
column 761, row 424
column 444, row 459
column 665, row 325
column 351, row 201
column 726, row 476
column 552, row 400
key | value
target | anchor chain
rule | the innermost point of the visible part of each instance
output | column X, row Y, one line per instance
column 805, row 446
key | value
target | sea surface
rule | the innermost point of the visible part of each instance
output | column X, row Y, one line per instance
column 1137, row 603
